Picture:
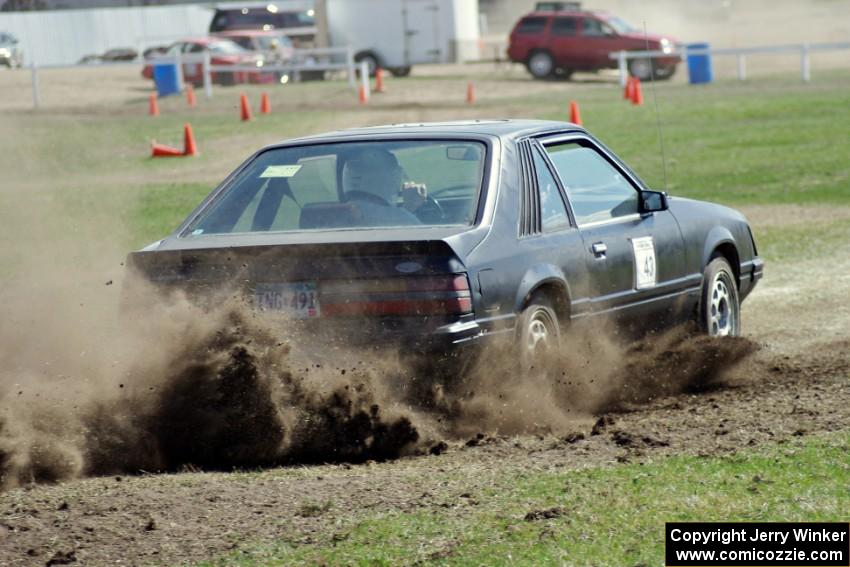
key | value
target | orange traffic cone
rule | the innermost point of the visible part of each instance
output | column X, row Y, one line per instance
column 190, row 96
column 470, row 93
column 189, row 146
column 153, row 105
column 379, row 80
column 161, row 150
column 245, row 109
column 637, row 92
column 361, row 95
column 575, row 115
column 265, row 104
column 628, row 92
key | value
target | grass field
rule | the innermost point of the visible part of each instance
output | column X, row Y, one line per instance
column 775, row 142
column 608, row 516
column 80, row 188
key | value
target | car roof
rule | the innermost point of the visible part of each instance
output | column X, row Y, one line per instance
column 250, row 33
column 506, row 129
column 570, row 13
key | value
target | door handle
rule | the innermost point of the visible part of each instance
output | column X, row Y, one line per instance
column 599, row 249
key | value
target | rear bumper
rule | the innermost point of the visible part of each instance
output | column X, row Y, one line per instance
column 407, row 334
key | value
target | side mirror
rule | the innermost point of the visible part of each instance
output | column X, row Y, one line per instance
column 652, row 201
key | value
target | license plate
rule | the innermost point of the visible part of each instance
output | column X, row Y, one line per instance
column 299, row 300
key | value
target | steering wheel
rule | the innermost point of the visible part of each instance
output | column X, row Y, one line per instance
column 454, row 188
column 430, row 212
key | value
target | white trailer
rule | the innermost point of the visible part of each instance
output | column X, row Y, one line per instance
column 397, row 34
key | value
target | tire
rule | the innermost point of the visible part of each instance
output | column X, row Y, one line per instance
column 641, row 68
column 664, row 73
column 541, row 65
column 401, row 71
column 720, row 307
column 539, row 332
column 371, row 60
column 563, row 74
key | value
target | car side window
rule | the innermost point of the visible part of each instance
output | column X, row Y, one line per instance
column 596, row 189
column 596, row 28
column 564, row 26
column 531, row 25
column 553, row 210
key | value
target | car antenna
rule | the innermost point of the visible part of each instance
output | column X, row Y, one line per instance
column 657, row 114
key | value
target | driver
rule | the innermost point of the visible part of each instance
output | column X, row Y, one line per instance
column 373, row 179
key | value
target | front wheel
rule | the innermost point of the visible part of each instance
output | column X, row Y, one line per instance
column 641, row 69
column 720, row 307
column 539, row 333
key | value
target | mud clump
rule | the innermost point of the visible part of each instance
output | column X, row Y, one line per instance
column 675, row 362
column 235, row 402
column 226, row 395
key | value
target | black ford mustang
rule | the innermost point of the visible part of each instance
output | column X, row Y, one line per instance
column 446, row 234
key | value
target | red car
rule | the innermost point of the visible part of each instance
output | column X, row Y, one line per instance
column 274, row 45
column 557, row 42
column 222, row 52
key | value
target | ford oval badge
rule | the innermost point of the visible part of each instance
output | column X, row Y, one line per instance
column 408, row 267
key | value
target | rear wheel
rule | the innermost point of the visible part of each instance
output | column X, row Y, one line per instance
column 539, row 333
column 541, row 65
column 372, row 62
column 720, row 307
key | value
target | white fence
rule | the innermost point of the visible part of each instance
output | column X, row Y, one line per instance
column 329, row 59
column 804, row 49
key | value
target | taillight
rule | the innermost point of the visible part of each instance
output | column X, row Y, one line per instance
column 411, row 295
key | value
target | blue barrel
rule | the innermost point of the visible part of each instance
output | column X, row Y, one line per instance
column 699, row 65
column 166, row 78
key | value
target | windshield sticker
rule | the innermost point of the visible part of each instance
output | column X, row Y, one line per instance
column 645, row 272
column 280, row 171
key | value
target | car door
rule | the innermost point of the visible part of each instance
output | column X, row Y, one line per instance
column 599, row 40
column 193, row 72
column 633, row 258
column 565, row 43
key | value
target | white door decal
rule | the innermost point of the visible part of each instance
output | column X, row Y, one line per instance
column 645, row 269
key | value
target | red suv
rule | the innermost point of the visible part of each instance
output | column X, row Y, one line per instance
column 556, row 42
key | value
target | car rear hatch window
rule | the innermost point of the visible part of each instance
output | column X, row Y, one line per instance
column 531, row 25
column 350, row 185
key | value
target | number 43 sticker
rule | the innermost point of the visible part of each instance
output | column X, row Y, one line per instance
column 646, row 274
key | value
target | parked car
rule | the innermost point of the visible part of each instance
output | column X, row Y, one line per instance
column 222, row 52
column 558, row 42
column 438, row 236
column 298, row 25
column 111, row 55
column 10, row 53
column 274, row 45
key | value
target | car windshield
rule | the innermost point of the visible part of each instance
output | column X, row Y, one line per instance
column 620, row 25
column 225, row 46
column 350, row 185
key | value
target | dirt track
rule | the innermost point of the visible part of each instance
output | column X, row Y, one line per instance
column 796, row 385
